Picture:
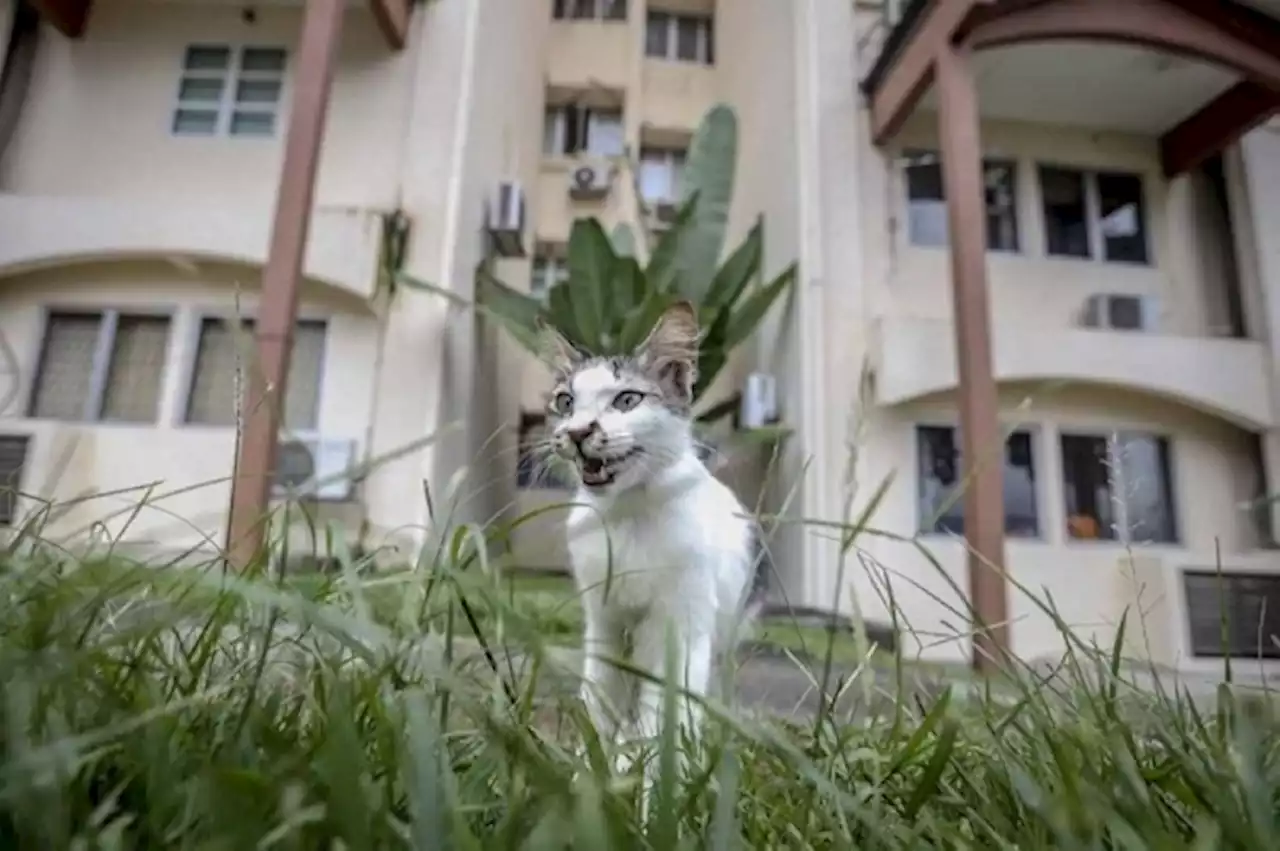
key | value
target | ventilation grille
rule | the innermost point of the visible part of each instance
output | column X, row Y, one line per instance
column 13, row 460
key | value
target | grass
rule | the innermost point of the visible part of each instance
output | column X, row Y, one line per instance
column 149, row 708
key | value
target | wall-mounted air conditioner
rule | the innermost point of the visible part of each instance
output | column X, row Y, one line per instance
column 505, row 218
column 759, row 401
column 590, row 181
column 1116, row 312
column 315, row 467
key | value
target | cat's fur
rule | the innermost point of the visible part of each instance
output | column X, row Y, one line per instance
column 655, row 541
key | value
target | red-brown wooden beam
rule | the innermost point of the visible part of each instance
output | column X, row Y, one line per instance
column 1216, row 126
column 267, row 381
column 68, row 17
column 393, row 19
column 982, row 441
column 908, row 77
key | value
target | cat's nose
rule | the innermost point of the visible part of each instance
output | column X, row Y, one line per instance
column 579, row 435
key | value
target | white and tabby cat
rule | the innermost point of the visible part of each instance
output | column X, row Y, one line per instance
column 655, row 541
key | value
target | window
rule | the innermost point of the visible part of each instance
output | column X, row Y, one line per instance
column 577, row 129
column 1094, row 215
column 586, row 10
column 535, row 464
column 941, row 483
column 101, row 365
column 229, row 91
column 1233, row 614
column 927, row 202
column 13, row 459
column 220, row 351
column 661, row 172
column 1118, row 488
column 549, row 269
column 685, row 38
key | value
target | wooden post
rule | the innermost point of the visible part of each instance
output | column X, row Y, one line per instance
column 267, row 379
column 982, row 439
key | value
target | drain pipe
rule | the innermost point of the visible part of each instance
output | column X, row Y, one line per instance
column 19, row 60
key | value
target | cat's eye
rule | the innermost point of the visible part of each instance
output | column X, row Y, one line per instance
column 562, row 404
column 627, row 399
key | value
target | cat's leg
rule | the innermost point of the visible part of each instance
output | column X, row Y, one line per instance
column 604, row 687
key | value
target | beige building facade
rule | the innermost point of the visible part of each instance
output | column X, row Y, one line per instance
column 1133, row 316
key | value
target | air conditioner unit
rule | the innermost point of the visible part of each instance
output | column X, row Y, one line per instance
column 1120, row 312
column 759, row 401
column 590, row 181
column 315, row 467
column 505, row 218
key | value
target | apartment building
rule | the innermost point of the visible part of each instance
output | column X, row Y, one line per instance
column 1108, row 165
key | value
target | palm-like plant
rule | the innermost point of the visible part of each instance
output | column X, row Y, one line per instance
column 611, row 301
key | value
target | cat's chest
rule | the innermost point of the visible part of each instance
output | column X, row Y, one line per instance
column 634, row 560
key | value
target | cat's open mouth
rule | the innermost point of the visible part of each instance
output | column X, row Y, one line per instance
column 599, row 472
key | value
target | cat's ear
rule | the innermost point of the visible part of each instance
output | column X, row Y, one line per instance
column 554, row 349
column 670, row 352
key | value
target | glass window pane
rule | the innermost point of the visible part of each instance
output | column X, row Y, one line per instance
column 1148, row 490
column 65, row 376
column 1086, row 471
column 926, row 204
column 306, row 370
column 550, row 131
column 560, row 9
column 195, row 122
column 136, row 372
column 201, row 57
column 605, row 133
column 615, row 10
column 1066, row 222
column 262, row 59
column 584, row 9
column 221, row 354
column 1124, row 236
column 655, row 176
column 941, row 481
column 941, row 502
column 687, row 30
column 1001, row 188
column 655, row 34
column 201, row 89
column 258, row 91
column 253, row 123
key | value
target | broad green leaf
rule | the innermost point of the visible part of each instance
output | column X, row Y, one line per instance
column 516, row 311
column 736, row 274
column 641, row 320
column 748, row 317
column 720, row 410
column 563, row 315
column 663, row 270
column 591, row 267
column 708, row 174
column 624, row 240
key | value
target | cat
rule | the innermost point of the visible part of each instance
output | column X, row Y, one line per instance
column 655, row 541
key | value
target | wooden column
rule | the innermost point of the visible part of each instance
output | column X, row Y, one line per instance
column 982, row 439
column 266, row 379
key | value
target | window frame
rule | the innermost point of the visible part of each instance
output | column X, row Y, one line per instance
column 1270, row 652
column 1116, row 482
column 182, row 407
column 1035, row 439
column 104, row 351
column 674, row 160
column 558, row 115
column 705, row 45
column 1093, row 213
column 1014, row 166
column 562, row 10
column 228, row 105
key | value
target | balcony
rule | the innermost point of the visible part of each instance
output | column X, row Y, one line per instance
column 1224, row 377
column 42, row 231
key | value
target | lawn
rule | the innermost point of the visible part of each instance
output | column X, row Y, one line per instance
column 186, row 709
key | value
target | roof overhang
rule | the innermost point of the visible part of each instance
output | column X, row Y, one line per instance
column 1241, row 39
